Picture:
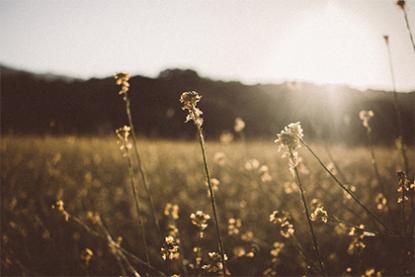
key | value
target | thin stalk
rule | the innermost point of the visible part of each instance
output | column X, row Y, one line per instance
column 398, row 115
column 371, row 214
column 408, row 27
column 140, row 164
column 397, row 109
column 333, row 161
column 132, row 256
column 373, row 159
column 119, row 254
column 137, row 206
column 310, row 225
column 212, row 196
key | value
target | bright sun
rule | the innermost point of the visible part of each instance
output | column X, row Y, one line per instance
column 331, row 47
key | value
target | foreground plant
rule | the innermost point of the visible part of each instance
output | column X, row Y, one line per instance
column 122, row 79
column 398, row 113
column 402, row 4
column 288, row 141
column 292, row 136
column 189, row 101
column 366, row 116
column 123, row 135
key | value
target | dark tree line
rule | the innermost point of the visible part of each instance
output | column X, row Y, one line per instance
column 38, row 104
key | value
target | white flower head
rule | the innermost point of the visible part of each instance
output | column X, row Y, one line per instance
column 288, row 140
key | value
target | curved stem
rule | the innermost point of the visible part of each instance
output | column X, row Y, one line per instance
column 211, row 193
column 307, row 212
column 354, row 197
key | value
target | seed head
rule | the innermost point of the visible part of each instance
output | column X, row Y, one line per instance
column 200, row 220
column 171, row 250
column 123, row 135
column 386, row 38
column 318, row 211
column 401, row 4
column 365, row 116
column 87, row 255
column 189, row 101
column 121, row 79
column 239, row 125
column 172, row 211
column 288, row 140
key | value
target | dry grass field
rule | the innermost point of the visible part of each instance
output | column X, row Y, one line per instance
column 250, row 180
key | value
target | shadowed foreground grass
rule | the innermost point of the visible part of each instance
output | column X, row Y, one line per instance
column 90, row 174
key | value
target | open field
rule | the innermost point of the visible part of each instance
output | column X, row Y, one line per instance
column 90, row 175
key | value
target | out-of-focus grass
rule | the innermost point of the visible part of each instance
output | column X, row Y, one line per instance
column 89, row 174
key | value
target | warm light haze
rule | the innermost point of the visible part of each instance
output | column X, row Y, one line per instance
column 251, row 41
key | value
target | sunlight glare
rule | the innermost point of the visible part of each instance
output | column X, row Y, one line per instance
column 333, row 47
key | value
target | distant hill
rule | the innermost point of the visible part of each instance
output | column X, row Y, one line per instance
column 50, row 104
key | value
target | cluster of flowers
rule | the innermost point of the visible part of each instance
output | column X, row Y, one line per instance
column 171, row 248
column 281, row 219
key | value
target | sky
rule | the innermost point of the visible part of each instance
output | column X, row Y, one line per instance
column 322, row 41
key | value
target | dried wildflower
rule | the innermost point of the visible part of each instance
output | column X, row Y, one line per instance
column 219, row 158
column 170, row 251
column 278, row 217
column 215, row 264
column 60, row 206
column 265, row 176
column 226, row 137
column 365, row 116
column 318, row 211
column 121, row 79
column 172, row 211
column 288, row 140
column 215, row 184
column 123, row 135
column 172, row 230
column 189, row 100
column 87, row 255
column 381, row 202
column 94, row 217
column 276, row 249
column 200, row 220
column 252, row 164
column 404, row 186
column 281, row 219
column 287, row 229
column 358, row 235
column 115, row 246
column 247, row 236
column 340, row 229
column 371, row 272
column 401, row 4
column 233, row 226
column 239, row 125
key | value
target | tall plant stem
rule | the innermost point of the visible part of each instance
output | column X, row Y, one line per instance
column 212, row 196
column 137, row 206
column 371, row 214
column 374, row 161
column 336, row 165
column 307, row 212
column 140, row 164
column 408, row 27
column 398, row 115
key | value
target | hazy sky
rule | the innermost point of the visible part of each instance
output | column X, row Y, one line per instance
column 252, row 41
